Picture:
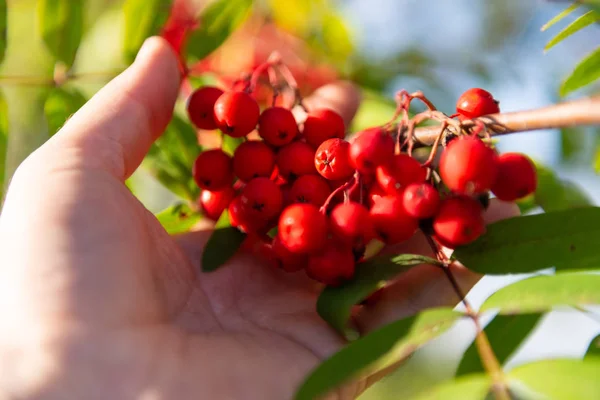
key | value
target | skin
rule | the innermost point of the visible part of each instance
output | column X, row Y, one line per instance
column 99, row 302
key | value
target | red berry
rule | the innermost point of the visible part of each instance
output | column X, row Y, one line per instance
column 333, row 266
column 201, row 105
column 399, row 173
column 332, row 160
column 302, row 228
column 214, row 203
column 351, row 223
column 310, row 189
column 241, row 217
column 287, row 260
column 468, row 166
column 277, row 126
column 296, row 159
column 392, row 222
column 213, row 170
column 459, row 221
column 321, row 125
column 370, row 149
column 475, row 103
column 263, row 198
column 375, row 193
column 236, row 113
column 516, row 177
column 253, row 159
column 421, row 200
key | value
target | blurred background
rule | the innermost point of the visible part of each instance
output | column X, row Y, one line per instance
column 439, row 47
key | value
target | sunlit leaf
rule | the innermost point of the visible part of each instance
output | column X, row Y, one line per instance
column 223, row 243
column 470, row 387
column 555, row 194
column 60, row 105
column 593, row 349
column 376, row 351
column 230, row 144
column 586, row 19
column 295, row 16
column 143, row 18
column 179, row 218
column 336, row 37
column 563, row 239
column 585, row 73
column 374, row 110
column 560, row 16
column 3, row 28
column 61, row 26
column 597, row 161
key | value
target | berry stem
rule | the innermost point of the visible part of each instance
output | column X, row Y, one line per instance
column 348, row 185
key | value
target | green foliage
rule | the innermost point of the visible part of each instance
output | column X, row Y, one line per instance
column 143, row 18
column 223, row 243
column 217, row 22
column 3, row 28
column 61, row 103
column 230, row 143
column 376, row 351
column 61, row 25
column 560, row 16
column 555, row 194
column 335, row 303
column 593, row 349
column 179, row 218
column 585, row 20
column 3, row 141
column 587, row 72
column 470, row 387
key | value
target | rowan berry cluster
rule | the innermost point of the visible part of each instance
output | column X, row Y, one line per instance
column 327, row 198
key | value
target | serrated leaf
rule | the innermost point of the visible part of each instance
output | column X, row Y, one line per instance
column 60, row 105
column 505, row 333
column 217, row 22
column 585, row 73
column 555, row 194
column 143, row 18
column 586, row 19
column 3, row 28
column 563, row 239
column 61, row 26
column 179, row 218
column 229, row 144
column 471, row 387
column 224, row 242
column 593, row 349
column 376, row 351
column 557, row 379
column 335, row 303
column 560, row 16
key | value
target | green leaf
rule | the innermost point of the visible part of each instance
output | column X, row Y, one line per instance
column 591, row 4
column 586, row 19
column 585, row 73
column 597, row 161
column 560, row 16
column 593, row 349
column 179, row 218
column 377, row 350
column 471, row 387
column 374, row 110
column 573, row 142
column 554, row 194
column 3, row 28
column 557, row 379
column 335, row 303
column 336, row 37
column 217, row 22
column 505, row 333
column 3, row 142
column 541, row 293
column 562, row 239
column 61, row 26
column 143, row 18
column 60, row 105
column 230, row 143
column 224, row 242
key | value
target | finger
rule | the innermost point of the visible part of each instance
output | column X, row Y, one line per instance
column 425, row 286
column 116, row 128
column 342, row 97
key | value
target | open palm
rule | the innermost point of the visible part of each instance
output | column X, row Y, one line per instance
column 99, row 302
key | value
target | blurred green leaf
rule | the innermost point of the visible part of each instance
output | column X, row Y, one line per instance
column 586, row 19
column 597, row 161
column 591, row 4
column 554, row 194
column 505, row 333
column 295, row 16
column 377, row 350
column 3, row 142
column 3, row 28
column 61, row 26
column 223, row 243
column 230, row 143
column 179, row 218
column 526, row 204
column 470, row 387
column 143, row 18
column 560, row 16
column 217, row 22
column 335, row 303
column 60, row 105
column 563, row 239
column 593, row 349
column 374, row 110
column 584, row 74
column 573, row 142
column 557, row 379
column 336, row 37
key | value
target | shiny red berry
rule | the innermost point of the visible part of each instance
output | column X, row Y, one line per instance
column 332, row 160
column 288, row 261
column 296, row 159
column 302, row 228
column 392, row 222
column 351, row 223
column 370, row 149
column 476, row 102
column 375, row 193
column 201, row 105
column 213, row 170
column 333, row 266
column 459, row 221
column 468, row 166
column 323, row 124
column 421, row 200
column 516, row 177
column 399, row 173
column 236, row 113
column 253, row 159
column 310, row 189
column 263, row 198
column 277, row 126
column 241, row 217
column 214, row 203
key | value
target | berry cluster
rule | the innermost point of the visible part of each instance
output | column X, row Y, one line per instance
column 324, row 199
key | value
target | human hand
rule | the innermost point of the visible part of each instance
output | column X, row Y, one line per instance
column 99, row 302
